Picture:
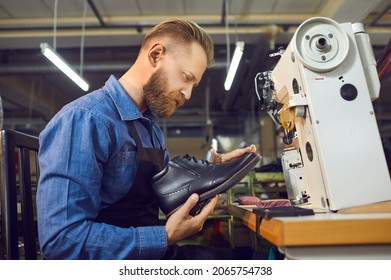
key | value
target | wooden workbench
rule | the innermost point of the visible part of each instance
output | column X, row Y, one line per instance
column 324, row 235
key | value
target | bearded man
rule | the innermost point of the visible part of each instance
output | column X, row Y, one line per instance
column 99, row 152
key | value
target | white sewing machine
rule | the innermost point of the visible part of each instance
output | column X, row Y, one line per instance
column 322, row 89
column 292, row 167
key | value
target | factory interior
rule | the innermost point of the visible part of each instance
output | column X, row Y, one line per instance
column 350, row 181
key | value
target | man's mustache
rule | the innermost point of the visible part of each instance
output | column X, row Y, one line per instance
column 180, row 100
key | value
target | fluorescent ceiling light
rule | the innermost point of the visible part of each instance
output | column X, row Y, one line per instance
column 234, row 65
column 57, row 60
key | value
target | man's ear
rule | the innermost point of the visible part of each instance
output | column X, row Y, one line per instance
column 156, row 53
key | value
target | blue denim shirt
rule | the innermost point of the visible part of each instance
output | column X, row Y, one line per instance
column 88, row 161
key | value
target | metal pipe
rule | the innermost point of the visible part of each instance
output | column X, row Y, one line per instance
column 96, row 13
column 379, row 16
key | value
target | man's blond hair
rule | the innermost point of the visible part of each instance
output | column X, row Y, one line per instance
column 183, row 32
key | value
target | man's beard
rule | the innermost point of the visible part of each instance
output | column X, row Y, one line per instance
column 159, row 101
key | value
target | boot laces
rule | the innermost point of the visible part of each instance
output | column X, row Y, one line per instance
column 203, row 161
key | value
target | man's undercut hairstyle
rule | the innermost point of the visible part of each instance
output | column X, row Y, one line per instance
column 183, row 32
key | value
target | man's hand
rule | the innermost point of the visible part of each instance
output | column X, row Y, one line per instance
column 181, row 225
column 224, row 158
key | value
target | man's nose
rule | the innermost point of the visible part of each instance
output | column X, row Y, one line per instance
column 187, row 92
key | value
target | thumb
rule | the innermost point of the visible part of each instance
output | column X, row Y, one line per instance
column 190, row 203
column 213, row 155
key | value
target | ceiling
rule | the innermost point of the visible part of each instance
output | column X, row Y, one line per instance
column 33, row 90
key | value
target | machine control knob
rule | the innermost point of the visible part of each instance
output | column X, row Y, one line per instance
column 348, row 92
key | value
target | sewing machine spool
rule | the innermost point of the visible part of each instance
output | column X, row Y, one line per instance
column 320, row 44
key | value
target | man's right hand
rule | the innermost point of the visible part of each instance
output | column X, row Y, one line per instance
column 181, row 225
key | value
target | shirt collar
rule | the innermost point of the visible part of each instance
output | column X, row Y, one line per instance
column 125, row 105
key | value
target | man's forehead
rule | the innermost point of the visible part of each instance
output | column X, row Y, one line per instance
column 200, row 59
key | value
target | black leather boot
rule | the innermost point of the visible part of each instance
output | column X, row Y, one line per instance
column 185, row 175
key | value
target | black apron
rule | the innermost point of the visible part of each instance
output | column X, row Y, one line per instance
column 139, row 206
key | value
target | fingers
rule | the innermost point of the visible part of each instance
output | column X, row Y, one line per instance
column 238, row 153
column 213, row 155
column 222, row 158
column 189, row 204
column 208, row 208
column 181, row 225
column 252, row 148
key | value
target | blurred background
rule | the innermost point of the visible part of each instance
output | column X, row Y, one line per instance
column 102, row 37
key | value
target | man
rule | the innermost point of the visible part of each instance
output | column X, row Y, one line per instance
column 99, row 152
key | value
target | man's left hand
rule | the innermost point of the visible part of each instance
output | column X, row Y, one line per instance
column 224, row 158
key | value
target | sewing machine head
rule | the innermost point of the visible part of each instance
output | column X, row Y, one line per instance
column 322, row 90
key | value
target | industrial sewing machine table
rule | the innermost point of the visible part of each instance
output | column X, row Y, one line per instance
column 323, row 235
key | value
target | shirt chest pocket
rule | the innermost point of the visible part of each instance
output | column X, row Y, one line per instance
column 125, row 170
